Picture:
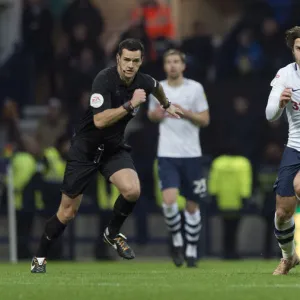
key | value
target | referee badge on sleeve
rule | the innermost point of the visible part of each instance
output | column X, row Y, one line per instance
column 96, row 100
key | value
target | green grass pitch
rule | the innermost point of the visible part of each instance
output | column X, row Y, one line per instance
column 136, row 280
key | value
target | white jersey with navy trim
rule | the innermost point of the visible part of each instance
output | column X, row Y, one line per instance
column 178, row 137
column 287, row 77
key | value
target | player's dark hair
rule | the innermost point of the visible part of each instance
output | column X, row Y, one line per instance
column 175, row 52
column 131, row 45
column 291, row 35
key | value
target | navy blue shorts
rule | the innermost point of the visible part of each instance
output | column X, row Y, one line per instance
column 289, row 167
column 186, row 174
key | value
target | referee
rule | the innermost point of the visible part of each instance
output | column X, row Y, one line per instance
column 98, row 145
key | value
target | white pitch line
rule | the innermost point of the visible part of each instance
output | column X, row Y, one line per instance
column 112, row 284
column 275, row 285
column 108, row 284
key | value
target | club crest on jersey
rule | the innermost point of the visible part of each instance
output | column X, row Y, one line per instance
column 96, row 100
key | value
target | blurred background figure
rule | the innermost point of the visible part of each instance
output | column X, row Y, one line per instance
column 230, row 184
column 83, row 12
column 37, row 27
column 26, row 186
column 52, row 125
column 10, row 131
column 156, row 18
column 275, row 52
column 199, row 52
column 249, row 54
column 242, row 128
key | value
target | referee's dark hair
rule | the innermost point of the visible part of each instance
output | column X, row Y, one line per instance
column 291, row 35
column 131, row 45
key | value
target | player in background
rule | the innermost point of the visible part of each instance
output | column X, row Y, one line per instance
column 179, row 153
column 285, row 94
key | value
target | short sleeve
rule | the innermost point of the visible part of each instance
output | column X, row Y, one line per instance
column 100, row 98
column 149, row 84
column 200, row 101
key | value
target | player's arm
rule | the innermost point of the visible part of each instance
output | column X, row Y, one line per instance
column 199, row 113
column 278, row 98
column 155, row 112
column 159, row 93
column 277, row 101
column 200, row 119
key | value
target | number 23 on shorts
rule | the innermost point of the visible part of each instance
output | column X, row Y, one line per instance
column 200, row 187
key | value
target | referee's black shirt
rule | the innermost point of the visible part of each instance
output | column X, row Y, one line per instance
column 109, row 91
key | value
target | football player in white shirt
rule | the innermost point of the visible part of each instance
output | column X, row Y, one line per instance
column 179, row 153
column 285, row 94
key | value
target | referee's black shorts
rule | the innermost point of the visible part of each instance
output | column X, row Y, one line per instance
column 80, row 168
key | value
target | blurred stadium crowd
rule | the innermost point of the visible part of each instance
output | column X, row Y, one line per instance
column 45, row 85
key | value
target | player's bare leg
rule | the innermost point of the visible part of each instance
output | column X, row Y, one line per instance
column 192, row 228
column 128, row 184
column 55, row 226
column 297, row 187
column 173, row 220
column 284, row 232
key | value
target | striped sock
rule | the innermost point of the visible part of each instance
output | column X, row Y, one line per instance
column 192, row 230
column 284, row 234
column 173, row 221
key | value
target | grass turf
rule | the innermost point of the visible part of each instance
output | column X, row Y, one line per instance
column 134, row 280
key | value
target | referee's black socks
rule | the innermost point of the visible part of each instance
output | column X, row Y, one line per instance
column 122, row 209
column 53, row 229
